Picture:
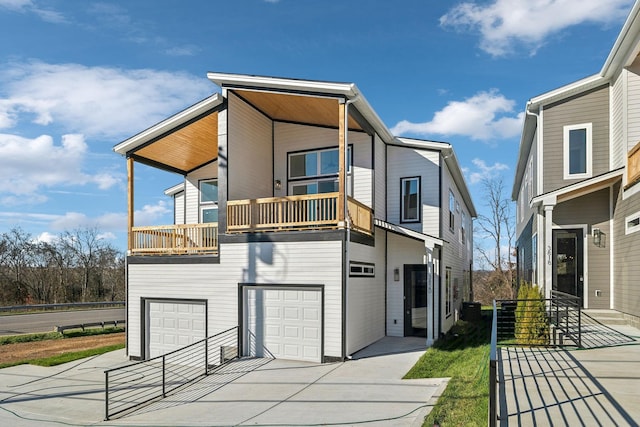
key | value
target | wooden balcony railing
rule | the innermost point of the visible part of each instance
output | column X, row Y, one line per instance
column 175, row 239
column 633, row 165
column 310, row 211
column 360, row 216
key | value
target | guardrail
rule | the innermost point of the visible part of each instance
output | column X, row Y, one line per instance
column 84, row 326
column 129, row 387
column 493, row 370
column 43, row 307
column 531, row 322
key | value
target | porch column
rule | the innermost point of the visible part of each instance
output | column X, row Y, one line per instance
column 548, row 247
column 341, row 161
column 129, row 204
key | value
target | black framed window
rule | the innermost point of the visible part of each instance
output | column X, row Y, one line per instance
column 410, row 199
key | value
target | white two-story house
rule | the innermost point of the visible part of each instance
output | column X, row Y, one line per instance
column 299, row 218
column 577, row 184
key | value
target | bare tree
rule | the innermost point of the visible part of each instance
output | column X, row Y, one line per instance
column 494, row 234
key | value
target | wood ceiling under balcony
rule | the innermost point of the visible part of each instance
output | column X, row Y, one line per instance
column 193, row 144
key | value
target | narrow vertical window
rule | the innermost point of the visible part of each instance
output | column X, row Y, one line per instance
column 577, row 151
column 452, row 209
column 410, row 203
column 209, row 200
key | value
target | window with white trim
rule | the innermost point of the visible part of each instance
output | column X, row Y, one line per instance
column 577, row 144
column 534, row 259
column 209, row 200
column 452, row 208
column 632, row 223
column 410, row 199
column 361, row 269
column 530, row 180
column 316, row 171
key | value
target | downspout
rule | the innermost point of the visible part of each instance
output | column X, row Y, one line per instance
column 347, row 223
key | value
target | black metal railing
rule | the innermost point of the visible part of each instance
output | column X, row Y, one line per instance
column 493, row 370
column 131, row 386
column 565, row 316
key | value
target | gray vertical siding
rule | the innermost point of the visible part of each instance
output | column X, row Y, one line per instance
column 626, row 257
column 590, row 107
column 592, row 210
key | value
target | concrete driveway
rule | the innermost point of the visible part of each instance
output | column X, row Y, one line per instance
column 366, row 390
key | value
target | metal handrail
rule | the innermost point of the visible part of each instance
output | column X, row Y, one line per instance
column 61, row 306
column 493, row 370
column 131, row 386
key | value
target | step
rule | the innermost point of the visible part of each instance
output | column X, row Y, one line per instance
column 607, row 317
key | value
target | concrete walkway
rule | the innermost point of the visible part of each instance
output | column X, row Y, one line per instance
column 594, row 387
column 367, row 390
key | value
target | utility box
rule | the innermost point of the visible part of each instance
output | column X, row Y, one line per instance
column 471, row 311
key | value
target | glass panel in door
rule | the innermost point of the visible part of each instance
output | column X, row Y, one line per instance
column 415, row 300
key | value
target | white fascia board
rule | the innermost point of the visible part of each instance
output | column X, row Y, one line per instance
column 626, row 47
column 345, row 90
column 172, row 191
column 451, row 160
column 526, row 141
column 168, row 124
column 553, row 195
column 566, row 91
column 431, row 241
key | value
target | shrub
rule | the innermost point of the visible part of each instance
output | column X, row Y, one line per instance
column 532, row 326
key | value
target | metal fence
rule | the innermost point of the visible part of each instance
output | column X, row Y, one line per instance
column 44, row 307
column 556, row 321
column 129, row 387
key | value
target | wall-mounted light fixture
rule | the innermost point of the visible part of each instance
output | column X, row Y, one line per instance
column 596, row 233
column 278, row 184
column 396, row 274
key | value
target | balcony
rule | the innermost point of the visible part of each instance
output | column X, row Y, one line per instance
column 296, row 213
column 180, row 239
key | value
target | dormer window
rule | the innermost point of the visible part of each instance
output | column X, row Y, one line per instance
column 577, row 151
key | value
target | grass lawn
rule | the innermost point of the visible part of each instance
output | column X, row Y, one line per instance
column 54, row 348
column 463, row 355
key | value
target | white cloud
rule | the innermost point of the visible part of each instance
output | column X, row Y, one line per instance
column 484, row 116
column 26, row 6
column 484, row 171
column 505, row 25
column 94, row 101
column 27, row 165
column 148, row 215
column 46, row 237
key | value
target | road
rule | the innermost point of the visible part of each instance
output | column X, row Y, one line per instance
column 46, row 322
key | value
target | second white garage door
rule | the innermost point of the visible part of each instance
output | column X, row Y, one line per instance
column 173, row 325
column 284, row 323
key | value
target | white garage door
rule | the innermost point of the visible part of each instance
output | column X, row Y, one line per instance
column 173, row 325
column 284, row 323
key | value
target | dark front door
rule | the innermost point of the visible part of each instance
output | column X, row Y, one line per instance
column 567, row 262
column 415, row 300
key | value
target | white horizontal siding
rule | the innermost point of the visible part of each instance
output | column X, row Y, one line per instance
column 618, row 152
column 400, row 251
column 250, row 173
column 380, row 173
column 406, row 162
column 366, row 297
column 311, row 263
column 633, row 106
column 178, row 208
column 192, row 191
column 294, row 137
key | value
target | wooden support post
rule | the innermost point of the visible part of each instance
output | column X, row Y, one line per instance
column 130, row 207
column 341, row 161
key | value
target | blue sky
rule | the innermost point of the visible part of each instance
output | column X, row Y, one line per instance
column 78, row 77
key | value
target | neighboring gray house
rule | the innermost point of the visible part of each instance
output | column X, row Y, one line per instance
column 300, row 218
column 577, row 184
